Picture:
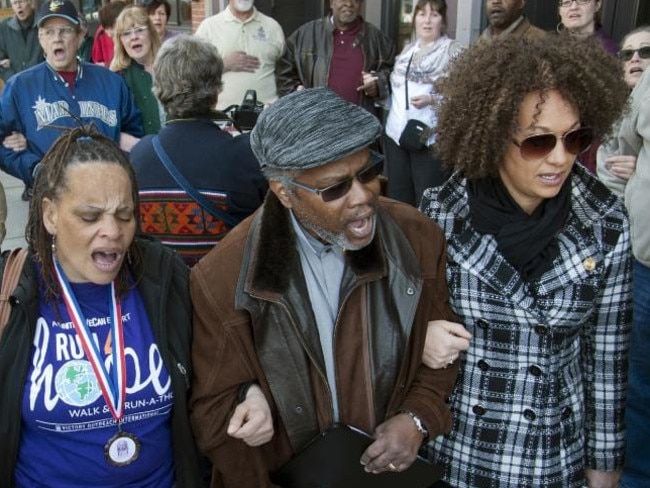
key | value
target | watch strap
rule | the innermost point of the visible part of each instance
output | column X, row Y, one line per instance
column 418, row 423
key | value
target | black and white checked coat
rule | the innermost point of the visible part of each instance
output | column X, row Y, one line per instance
column 541, row 392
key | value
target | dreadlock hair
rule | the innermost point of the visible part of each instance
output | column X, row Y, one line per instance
column 482, row 95
column 76, row 146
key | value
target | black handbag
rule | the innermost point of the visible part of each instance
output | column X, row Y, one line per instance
column 416, row 133
column 414, row 136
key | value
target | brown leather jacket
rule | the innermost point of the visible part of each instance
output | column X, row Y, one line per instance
column 253, row 322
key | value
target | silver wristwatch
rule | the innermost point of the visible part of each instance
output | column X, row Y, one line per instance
column 418, row 423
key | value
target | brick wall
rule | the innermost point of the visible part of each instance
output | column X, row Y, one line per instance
column 198, row 14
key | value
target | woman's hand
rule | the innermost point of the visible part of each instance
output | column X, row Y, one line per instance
column 421, row 101
column 621, row 166
column 602, row 479
column 252, row 421
column 445, row 340
column 16, row 142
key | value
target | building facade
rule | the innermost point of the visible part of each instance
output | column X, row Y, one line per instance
column 466, row 17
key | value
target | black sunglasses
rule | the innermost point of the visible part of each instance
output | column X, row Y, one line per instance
column 340, row 189
column 539, row 146
column 627, row 54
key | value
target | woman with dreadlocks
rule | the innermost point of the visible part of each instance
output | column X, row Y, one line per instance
column 95, row 358
column 538, row 266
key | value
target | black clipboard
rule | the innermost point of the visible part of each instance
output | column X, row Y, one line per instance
column 331, row 460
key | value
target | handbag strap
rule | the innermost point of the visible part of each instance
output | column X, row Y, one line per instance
column 189, row 189
column 406, row 83
column 14, row 264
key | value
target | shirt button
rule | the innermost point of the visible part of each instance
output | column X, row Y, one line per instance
column 529, row 415
column 479, row 410
column 298, row 409
column 410, row 291
column 535, row 370
column 541, row 329
column 483, row 365
column 483, row 324
column 589, row 264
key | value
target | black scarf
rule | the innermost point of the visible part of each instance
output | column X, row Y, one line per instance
column 526, row 241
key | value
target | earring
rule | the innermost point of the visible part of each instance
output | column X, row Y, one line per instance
column 53, row 245
column 559, row 27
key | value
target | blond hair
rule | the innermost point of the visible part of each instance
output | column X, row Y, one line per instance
column 129, row 18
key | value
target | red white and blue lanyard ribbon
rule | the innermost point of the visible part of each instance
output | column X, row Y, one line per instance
column 113, row 385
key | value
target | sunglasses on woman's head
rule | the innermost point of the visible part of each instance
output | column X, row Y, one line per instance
column 538, row 146
column 340, row 189
column 627, row 54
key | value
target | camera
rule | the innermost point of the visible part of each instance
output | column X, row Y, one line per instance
column 245, row 115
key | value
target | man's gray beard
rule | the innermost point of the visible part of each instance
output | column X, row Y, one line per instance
column 337, row 239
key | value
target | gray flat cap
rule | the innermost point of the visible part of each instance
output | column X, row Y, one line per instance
column 310, row 128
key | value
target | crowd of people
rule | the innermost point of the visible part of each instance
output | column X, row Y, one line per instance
column 443, row 246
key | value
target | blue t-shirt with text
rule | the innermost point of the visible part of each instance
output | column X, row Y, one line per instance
column 66, row 422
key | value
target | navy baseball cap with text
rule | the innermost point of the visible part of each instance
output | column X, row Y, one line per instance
column 58, row 8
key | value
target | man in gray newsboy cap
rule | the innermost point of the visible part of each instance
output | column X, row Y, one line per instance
column 314, row 310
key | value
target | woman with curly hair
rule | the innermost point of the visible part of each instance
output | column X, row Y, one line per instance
column 539, row 268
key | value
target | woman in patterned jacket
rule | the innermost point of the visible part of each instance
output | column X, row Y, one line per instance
column 539, row 269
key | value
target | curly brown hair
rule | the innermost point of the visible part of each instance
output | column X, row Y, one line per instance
column 482, row 95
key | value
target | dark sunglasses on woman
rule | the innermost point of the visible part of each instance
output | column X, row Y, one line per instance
column 627, row 54
column 539, row 146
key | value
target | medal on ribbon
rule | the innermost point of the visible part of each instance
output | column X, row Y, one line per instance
column 123, row 448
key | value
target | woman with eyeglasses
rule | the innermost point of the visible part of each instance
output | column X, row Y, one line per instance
column 615, row 169
column 538, row 267
column 581, row 18
column 136, row 45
